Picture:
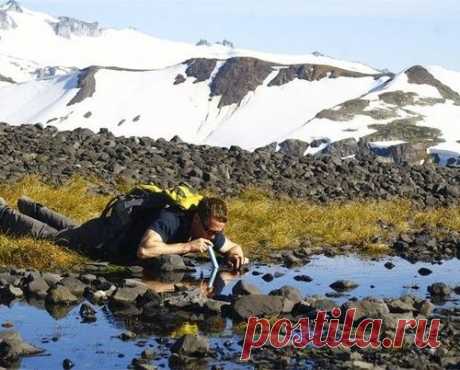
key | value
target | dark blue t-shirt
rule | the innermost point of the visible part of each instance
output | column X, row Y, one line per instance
column 174, row 227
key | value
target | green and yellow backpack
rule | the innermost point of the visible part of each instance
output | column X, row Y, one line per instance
column 123, row 211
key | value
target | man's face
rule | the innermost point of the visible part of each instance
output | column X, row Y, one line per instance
column 208, row 230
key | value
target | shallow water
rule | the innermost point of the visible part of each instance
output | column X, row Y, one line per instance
column 373, row 277
column 95, row 346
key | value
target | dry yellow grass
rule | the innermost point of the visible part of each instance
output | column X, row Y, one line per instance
column 258, row 222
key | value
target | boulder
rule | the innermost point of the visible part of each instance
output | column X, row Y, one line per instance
column 127, row 296
column 61, row 295
column 341, row 148
column 75, row 286
column 244, row 288
column 191, row 345
column 286, row 291
column 371, row 308
column 293, row 147
column 439, row 289
column 257, row 305
column 168, row 263
column 87, row 312
column 13, row 347
column 38, row 287
column 343, row 285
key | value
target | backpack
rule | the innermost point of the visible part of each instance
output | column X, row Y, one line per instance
column 123, row 211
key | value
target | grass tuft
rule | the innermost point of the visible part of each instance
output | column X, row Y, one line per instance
column 259, row 222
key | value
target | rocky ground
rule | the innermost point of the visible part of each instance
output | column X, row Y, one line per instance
column 144, row 311
column 57, row 156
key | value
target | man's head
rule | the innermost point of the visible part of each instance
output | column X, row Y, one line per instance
column 210, row 218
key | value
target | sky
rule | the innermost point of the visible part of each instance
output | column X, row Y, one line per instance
column 393, row 34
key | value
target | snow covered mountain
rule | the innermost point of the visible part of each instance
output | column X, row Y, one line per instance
column 421, row 104
column 70, row 73
column 37, row 38
column 242, row 101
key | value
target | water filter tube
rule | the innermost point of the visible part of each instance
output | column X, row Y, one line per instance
column 215, row 266
column 213, row 258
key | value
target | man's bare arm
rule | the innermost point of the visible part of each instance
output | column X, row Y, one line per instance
column 152, row 245
column 234, row 253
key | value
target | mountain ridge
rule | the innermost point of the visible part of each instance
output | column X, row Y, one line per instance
column 71, row 73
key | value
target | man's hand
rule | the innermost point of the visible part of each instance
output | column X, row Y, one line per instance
column 235, row 257
column 199, row 245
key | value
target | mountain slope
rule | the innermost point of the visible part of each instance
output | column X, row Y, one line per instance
column 67, row 42
column 56, row 70
column 421, row 104
column 242, row 101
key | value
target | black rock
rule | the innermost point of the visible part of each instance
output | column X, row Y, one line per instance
column 268, row 277
column 67, row 364
column 304, row 278
column 342, row 285
column 389, row 265
column 424, row 271
column 87, row 312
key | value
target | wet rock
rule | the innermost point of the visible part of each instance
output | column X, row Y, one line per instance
column 13, row 347
column 257, row 305
column 149, row 297
column 61, row 295
column 424, row 271
column 127, row 296
column 191, row 345
column 75, row 286
column 67, row 364
column 291, row 293
column 10, row 292
column 142, row 364
column 168, row 263
column 399, row 306
column 439, row 289
column 267, row 277
column 87, row 312
column 425, row 308
column 343, row 285
column 215, row 306
column 244, row 288
column 150, row 311
column 190, row 299
column 148, row 354
column 304, row 278
column 291, row 260
column 38, row 287
column 390, row 320
column 88, row 278
column 127, row 335
column 51, row 279
column 371, row 308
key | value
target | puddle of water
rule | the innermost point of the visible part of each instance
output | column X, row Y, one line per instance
column 93, row 345
column 373, row 277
